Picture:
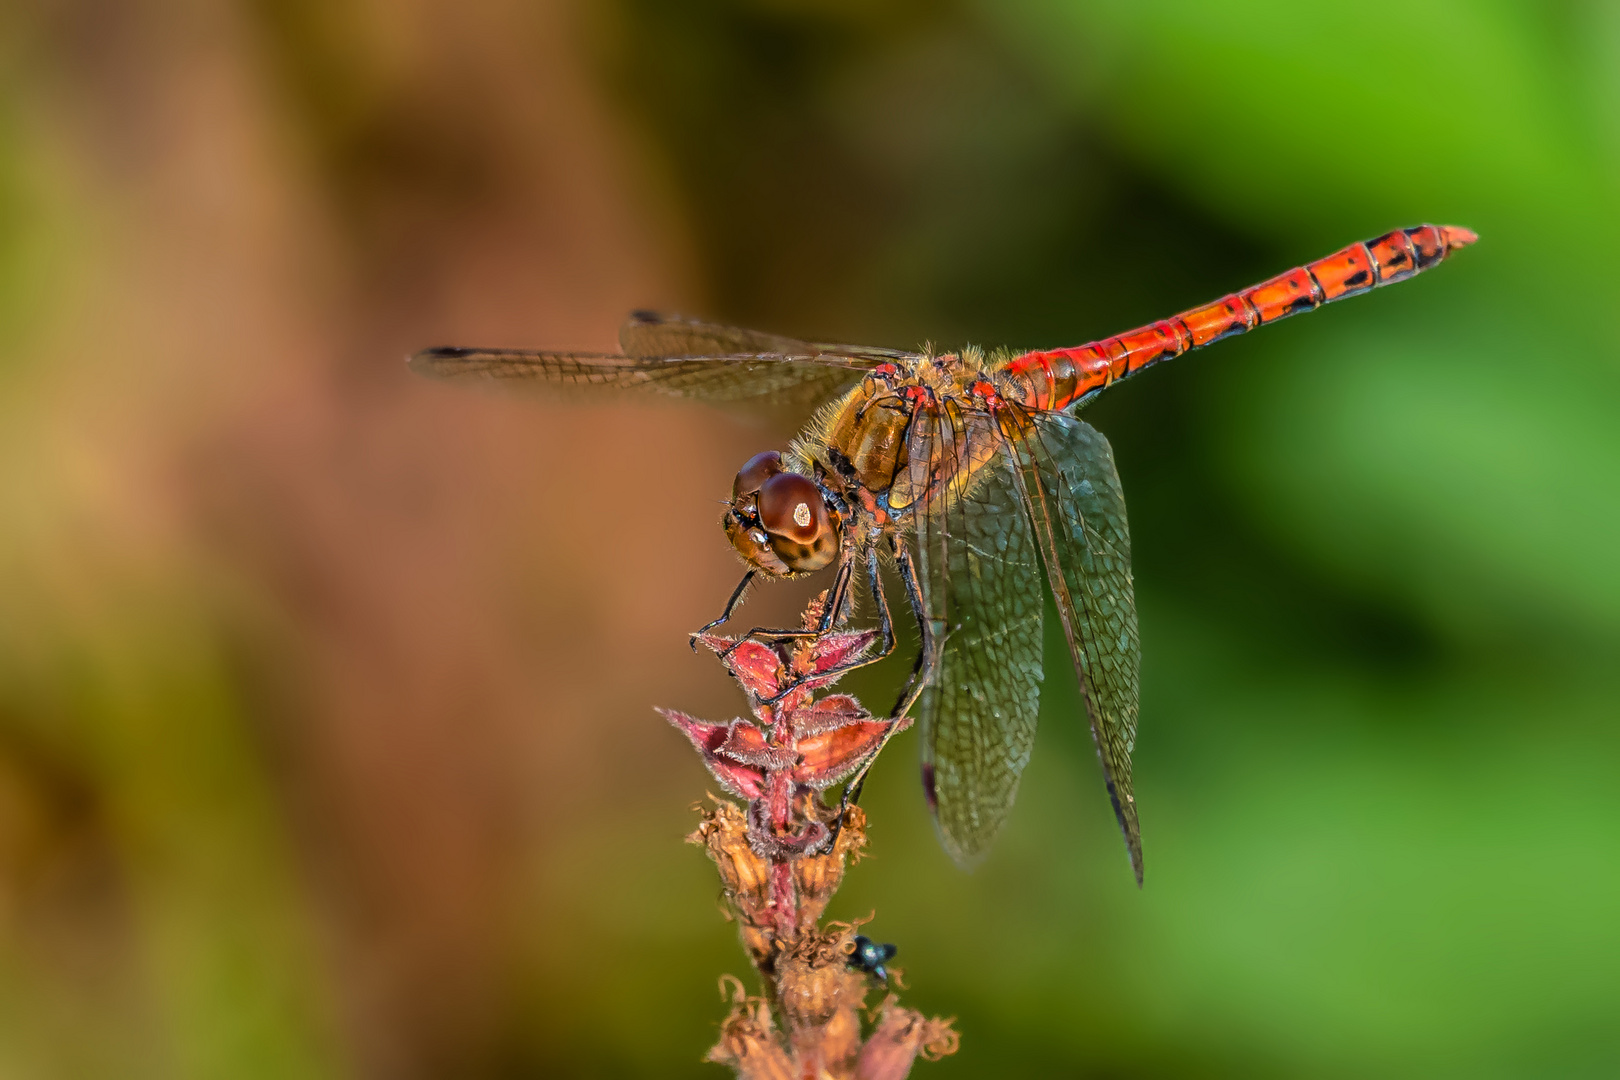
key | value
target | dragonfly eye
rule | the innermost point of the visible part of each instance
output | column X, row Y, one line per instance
column 790, row 505
column 779, row 521
column 801, row 527
column 758, row 469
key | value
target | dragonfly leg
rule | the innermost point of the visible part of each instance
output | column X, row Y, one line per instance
column 837, row 608
column 731, row 605
column 874, row 581
column 921, row 674
column 837, row 600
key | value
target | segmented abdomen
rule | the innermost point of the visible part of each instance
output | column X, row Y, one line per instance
column 1057, row 378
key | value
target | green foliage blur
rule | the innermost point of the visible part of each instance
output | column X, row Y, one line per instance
column 1375, row 548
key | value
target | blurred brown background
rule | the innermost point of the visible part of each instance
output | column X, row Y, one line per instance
column 326, row 741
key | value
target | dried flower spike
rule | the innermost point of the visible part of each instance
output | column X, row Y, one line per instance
column 780, row 864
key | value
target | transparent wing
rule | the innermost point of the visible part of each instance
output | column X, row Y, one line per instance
column 767, row 376
column 982, row 579
column 1066, row 474
column 648, row 333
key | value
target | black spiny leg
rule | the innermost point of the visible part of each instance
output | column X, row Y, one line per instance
column 874, row 581
column 922, row 673
column 836, row 601
column 731, row 605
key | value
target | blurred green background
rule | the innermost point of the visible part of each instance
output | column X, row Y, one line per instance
column 326, row 740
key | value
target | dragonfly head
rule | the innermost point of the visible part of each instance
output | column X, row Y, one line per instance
column 779, row 521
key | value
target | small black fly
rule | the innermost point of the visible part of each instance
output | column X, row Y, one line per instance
column 870, row 957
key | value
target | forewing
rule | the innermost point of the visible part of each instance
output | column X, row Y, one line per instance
column 978, row 714
column 766, row 377
column 1078, row 512
column 650, row 333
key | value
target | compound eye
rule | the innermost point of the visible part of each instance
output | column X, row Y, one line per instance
column 791, row 506
column 759, row 468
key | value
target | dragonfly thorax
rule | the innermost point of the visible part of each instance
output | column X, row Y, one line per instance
column 781, row 522
column 910, row 433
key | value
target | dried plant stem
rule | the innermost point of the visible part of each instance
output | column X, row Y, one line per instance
column 808, row 1021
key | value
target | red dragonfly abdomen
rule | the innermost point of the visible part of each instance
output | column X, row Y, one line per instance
column 1057, row 378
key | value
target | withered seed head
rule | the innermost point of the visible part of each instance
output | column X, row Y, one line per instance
column 901, row 1036
column 745, row 877
column 819, row 876
column 814, row 980
column 749, row 1045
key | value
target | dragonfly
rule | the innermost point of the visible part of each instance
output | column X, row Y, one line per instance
column 970, row 473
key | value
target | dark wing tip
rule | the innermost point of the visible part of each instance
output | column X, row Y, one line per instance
column 1128, row 825
column 645, row 315
column 1133, row 845
column 433, row 362
column 437, row 352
